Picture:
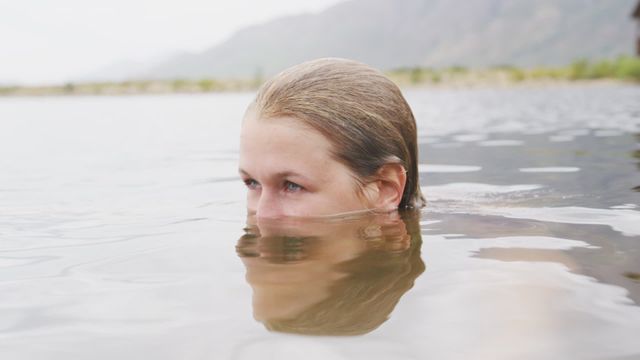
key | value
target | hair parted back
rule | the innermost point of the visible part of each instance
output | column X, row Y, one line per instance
column 358, row 109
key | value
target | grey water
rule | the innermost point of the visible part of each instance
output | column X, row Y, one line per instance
column 123, row 234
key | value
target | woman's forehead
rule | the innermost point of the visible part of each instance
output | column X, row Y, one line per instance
column 284, row 134
column 282, row 144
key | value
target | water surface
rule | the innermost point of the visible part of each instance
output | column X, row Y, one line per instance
column 123, row 235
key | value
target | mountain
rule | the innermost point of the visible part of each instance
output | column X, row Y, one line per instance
column 397, row 33
column 127, row 69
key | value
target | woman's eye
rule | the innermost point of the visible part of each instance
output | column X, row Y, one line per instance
column 292, row 187
column 251, row 184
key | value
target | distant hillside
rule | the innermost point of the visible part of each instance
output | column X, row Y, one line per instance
column 397, row 33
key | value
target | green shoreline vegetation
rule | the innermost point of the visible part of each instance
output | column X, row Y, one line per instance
column 623, row 68
column 133, row 87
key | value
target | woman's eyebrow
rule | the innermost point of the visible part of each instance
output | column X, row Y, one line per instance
column 244, row 173
column 278, row 175
column 285, row 174
column 281, row 174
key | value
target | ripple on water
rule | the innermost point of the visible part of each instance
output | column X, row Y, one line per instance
column 551, row 169
column 435, row 168
column 504, row 142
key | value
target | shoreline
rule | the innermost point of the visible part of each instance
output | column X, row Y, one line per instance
column 458, row 84
column 622, row 71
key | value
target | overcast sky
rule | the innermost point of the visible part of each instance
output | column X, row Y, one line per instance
column 48, row 41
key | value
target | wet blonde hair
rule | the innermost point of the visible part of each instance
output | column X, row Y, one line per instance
column 359, row 110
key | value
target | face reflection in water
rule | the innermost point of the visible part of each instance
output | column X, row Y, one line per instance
column 330, row 277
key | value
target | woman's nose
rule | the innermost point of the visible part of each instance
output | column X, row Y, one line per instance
column 269, row 205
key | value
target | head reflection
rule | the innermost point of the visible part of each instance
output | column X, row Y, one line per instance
column 330, row 277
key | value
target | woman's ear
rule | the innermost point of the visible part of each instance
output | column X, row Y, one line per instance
column 388, row 187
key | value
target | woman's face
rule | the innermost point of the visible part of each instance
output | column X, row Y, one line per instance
column 289, row 171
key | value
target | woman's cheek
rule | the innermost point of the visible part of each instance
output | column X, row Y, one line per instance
column 298, row 205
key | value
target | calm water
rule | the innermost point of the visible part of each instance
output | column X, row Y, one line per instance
column 123, row 235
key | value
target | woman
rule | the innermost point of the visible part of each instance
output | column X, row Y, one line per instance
column 329, row 137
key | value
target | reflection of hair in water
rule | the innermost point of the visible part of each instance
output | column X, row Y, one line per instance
column 363, row 299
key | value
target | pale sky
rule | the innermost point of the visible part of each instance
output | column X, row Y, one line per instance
column 53, row 41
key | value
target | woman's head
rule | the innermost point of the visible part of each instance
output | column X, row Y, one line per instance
column 340, row 125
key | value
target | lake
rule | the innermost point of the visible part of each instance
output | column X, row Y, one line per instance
column 123, row 235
